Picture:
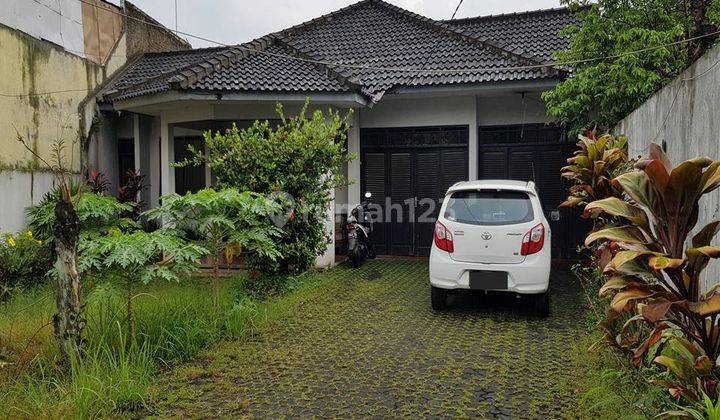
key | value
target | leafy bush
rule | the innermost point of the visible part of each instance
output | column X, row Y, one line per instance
column 226, row 221
column 301, row 157
column 24, row 261
column 596, row 162
column 656, row 278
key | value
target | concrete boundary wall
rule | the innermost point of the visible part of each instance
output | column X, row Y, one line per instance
column 20, row 190
column 684, row 116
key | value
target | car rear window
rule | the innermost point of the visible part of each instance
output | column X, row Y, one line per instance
column 489, row 207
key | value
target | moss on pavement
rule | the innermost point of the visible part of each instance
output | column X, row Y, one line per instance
column 364, row 342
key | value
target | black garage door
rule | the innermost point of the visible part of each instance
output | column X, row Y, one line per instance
column 408, row 170
column 534, row 152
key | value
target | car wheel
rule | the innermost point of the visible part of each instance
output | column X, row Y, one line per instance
column 542, row 305
column 438, row 298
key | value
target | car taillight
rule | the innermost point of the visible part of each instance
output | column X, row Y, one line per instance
column 443, row 238
column 533, row 241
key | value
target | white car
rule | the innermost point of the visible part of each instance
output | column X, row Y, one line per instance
column 491, row 235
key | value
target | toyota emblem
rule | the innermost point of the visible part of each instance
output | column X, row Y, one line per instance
column 486, row 235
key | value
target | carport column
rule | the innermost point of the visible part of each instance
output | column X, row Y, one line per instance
column 473, row 143
column 167, row 156
column 354, row 193
column 327, row 259
column 136, row 148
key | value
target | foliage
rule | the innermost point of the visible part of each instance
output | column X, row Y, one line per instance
column 225, row 219
column 175, row 322
column 656, row 279
column 139, row 256
column 705, row 410
column 97, row 212
column 130, row 191
column 596, row 162
column 24, row 260
column 97, row 183
column 300, row 159
column 607, row 82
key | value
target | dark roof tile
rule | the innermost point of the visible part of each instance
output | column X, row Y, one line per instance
column 406, row 49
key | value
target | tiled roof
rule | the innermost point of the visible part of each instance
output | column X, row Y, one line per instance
column 333, row 52
column 535, row 32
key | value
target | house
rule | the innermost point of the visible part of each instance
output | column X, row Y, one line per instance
column 54, row 57
column 435, row 102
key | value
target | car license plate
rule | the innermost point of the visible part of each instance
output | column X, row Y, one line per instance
column 488, row 280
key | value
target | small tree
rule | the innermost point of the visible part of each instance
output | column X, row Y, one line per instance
column 224, row 220
column 139, row 257
column 609, row 78
column 68, row 323
column 302, row 157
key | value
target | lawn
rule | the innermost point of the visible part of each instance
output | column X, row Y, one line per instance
column 343, row 341
column 174, row 322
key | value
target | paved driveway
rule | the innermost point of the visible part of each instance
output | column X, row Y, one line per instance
column 369, row 345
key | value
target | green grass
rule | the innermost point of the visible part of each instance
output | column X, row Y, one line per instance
column 613, row 387
column 174, row 322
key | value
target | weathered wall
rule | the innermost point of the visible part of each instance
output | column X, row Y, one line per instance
column 44, row 21
column 149, row 38
column 29, row 70
column 685, row 117
column 102, row 25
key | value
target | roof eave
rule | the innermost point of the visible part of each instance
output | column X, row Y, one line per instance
column 346, row 99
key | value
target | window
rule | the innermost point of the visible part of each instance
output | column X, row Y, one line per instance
column 489, row 207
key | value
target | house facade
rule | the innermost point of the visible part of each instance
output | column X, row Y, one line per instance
column 434, row 103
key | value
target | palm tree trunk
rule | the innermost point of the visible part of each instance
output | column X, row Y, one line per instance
column 67, row 322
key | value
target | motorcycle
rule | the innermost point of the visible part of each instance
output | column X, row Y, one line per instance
column 358, row 233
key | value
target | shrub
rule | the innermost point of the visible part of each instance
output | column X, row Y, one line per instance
column 225, row 221
column 139, row 257
column 301, row 158
column 656, row 278
column 24, row 261
column 596, row 162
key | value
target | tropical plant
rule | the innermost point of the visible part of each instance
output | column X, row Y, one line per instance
column 133, row 185
column 596, row 162
column 68, row 323
column 707, row 409
column 96, row 212
column 655, row 277
column 139, row 257
column 98, row 183
column 300, row 159
column 622, row 52
column 227, row 221
column 24, row 261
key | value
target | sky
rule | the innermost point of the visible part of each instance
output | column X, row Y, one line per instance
column 237, row 21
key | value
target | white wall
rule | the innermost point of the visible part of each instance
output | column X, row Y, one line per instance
column 46, row 22
column 685, row 116
column 21, row 190
column 511, row 109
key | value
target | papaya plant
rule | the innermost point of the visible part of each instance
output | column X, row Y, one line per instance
column 225, row 221
column 655, row 272
column 137, row 257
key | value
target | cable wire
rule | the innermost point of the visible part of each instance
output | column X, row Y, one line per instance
column 370, row 67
